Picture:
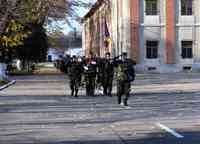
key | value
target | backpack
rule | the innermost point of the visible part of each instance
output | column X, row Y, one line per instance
column 130, row 74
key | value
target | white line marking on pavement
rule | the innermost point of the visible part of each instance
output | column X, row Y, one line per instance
column 7, row 85
column 171, row 131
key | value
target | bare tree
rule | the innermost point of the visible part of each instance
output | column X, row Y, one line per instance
column 26, row 11
column 16, row 15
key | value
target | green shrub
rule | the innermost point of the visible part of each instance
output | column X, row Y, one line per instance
column 3, row 82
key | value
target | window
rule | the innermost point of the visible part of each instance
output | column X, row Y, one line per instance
column 186, row 49
column 186, row 7
column 152, row 49
column 151, row 7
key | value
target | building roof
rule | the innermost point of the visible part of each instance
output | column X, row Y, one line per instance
column 93, row 9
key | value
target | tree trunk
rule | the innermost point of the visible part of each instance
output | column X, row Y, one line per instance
column 23, row 65
column 3, row 21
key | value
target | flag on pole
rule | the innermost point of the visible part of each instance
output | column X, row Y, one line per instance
column 107, row 40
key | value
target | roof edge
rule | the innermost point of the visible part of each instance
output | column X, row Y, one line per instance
column 93, row 9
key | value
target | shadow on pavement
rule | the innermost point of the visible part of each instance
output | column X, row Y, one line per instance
column 152, row 138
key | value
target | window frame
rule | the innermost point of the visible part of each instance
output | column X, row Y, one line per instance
column 188, row 9
column 150, row 11
column 186, row 50
column 151, row 49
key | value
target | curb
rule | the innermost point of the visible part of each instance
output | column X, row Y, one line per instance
column 7, row 85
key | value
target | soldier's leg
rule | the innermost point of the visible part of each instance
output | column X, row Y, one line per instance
column 77, row 84
column 88, row 89
column 127, row 89
column 119, row 91
column 72, row 87
column 110, row 81
column 93, row 85
column 105, row 86
column 89, row 86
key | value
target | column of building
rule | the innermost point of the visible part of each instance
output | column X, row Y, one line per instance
column 196, row 6
column 170, row 32
column 135, row 29
column 162, row 44
column 101, row 30
column 84, row 37
column 114, row 21
column 126, row 27
column 87, row 37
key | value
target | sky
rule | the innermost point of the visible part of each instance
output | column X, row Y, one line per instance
column 76, row 25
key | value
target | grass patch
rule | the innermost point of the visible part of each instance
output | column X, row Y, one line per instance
column 22, row 72
column 37, row 66
column 3, row 82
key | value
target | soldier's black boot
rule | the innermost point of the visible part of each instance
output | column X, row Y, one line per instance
column 110, row 91
column 76, row 93
column 125, row 102
column 87, row 91
column 119, row 99
column 92, row 93
column 72, row 92
column 105, row 91
column 109, row 94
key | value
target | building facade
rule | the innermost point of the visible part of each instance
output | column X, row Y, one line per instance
column 161, row 35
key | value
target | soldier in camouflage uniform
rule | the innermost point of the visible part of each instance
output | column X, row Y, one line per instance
column 125, row 75
column 75, row 73
column 90, row 71
column 108, row 73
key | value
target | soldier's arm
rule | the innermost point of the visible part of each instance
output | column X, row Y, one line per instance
column 116, row 62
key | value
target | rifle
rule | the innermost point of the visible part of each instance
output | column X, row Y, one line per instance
column 117, row 57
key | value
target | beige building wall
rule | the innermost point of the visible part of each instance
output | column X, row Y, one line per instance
column 120, row 31
column 115, row 28
column 126, row 27
column 197, row 32
column 156, row 27
column 94, row 29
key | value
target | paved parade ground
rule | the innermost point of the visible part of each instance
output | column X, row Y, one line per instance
column 163, row 109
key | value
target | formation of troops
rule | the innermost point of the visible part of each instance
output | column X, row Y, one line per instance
column 99, row 72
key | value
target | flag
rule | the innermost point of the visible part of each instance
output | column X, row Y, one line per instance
column 107, row 34
column 107, row 40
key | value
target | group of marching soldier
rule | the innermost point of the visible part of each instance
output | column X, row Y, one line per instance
column 100, row 72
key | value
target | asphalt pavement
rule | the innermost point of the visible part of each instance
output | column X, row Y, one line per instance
column 163, row 109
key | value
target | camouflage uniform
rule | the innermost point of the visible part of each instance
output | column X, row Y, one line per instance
column 125, row 75
column 75, row 73
column 100, row 68
column 90, row 76
column 108, row 73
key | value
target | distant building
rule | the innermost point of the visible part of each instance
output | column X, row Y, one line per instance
column 66, row 44
column 54, row 54
column 75, row 51
column 161, row 35
column 74, row 40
